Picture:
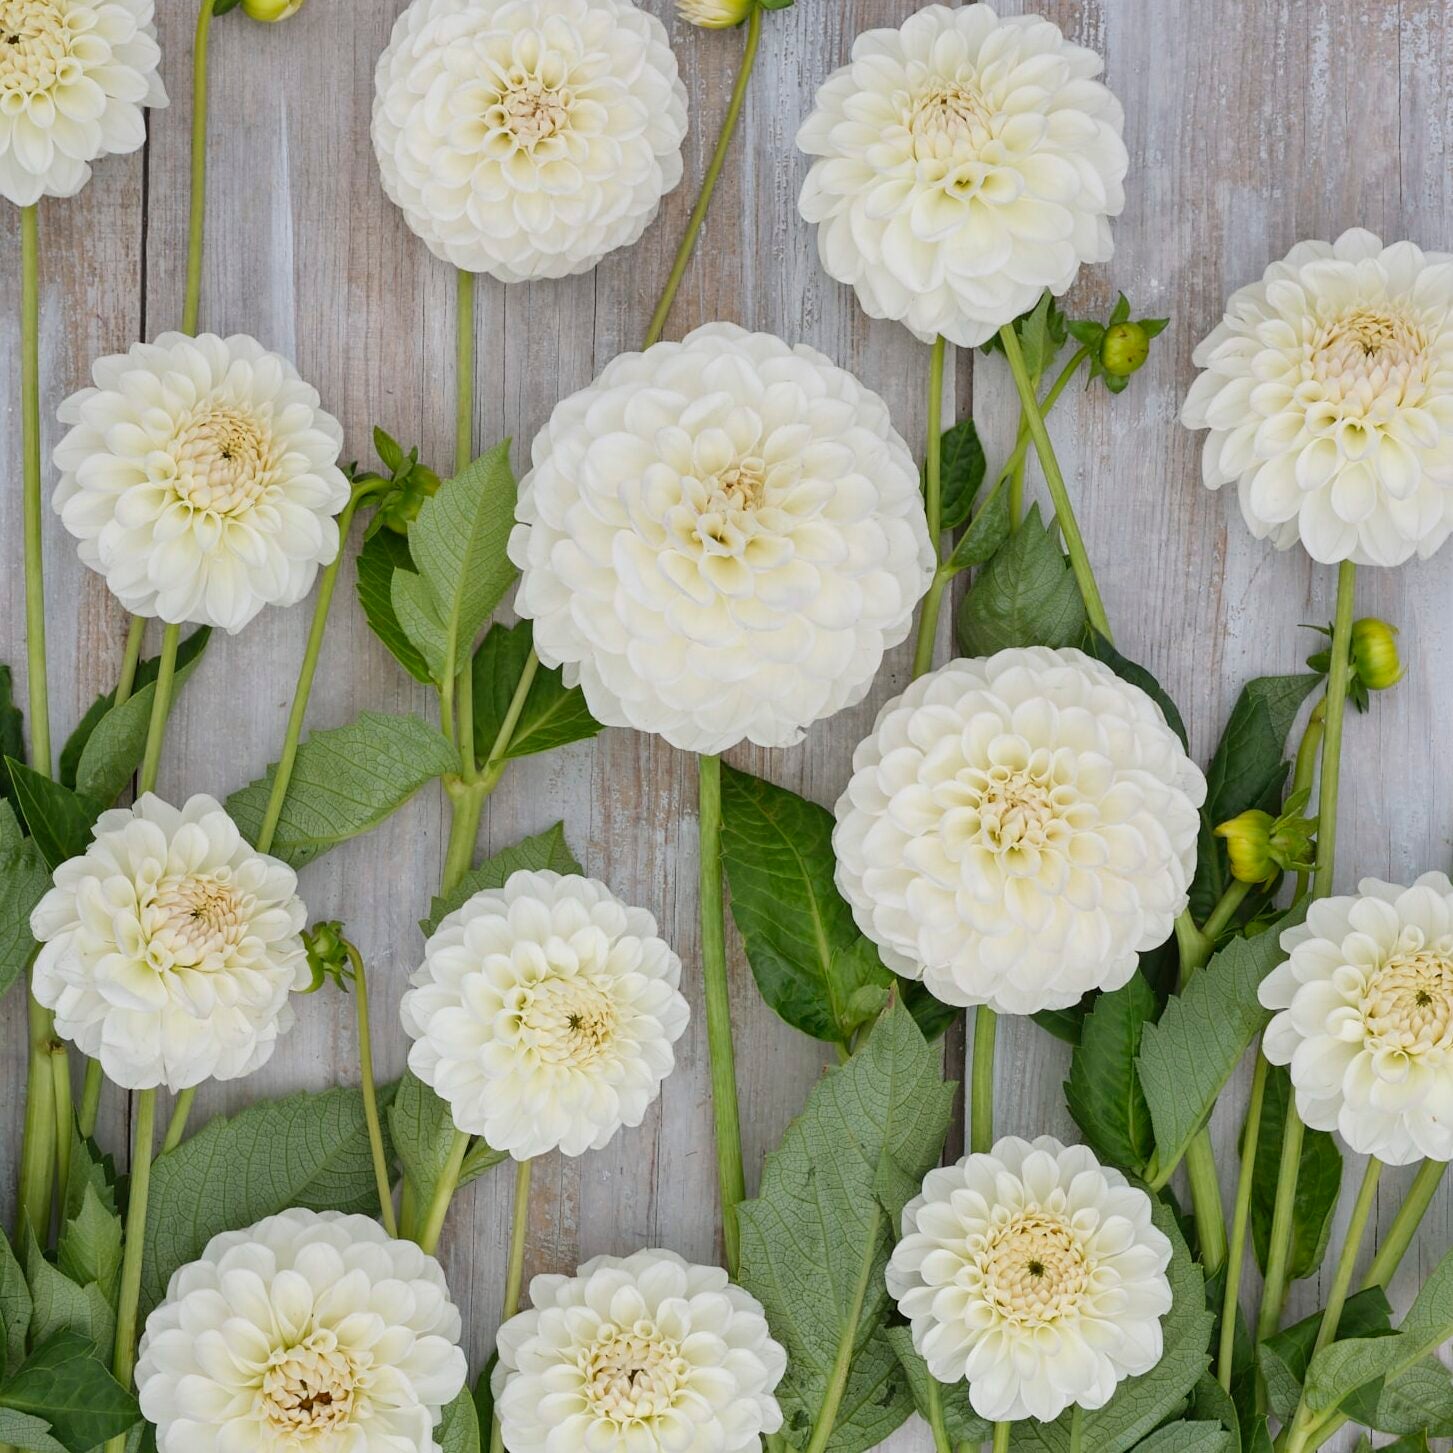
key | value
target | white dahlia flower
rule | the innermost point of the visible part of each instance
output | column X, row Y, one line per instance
column 74, row 75
column 307, row 1333
column 719, row 539
column 1018, row 829
column 528, row 138
column 1365, row 1019
column 1328, row 391
column 545, row 1013
column 646, row 1354
column 965, row 164
column 169, row 948
column 201, row 479
column 1036, row 1273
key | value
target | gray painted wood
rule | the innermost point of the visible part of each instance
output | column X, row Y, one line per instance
column 1249, row 127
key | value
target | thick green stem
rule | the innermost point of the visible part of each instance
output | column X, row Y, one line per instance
column 130, row 660
column 36, row 684
column 444, row 1190
column 981, row 1089
column 90, row 1106
column 466, row 808
column 197, row 217
column 65, row 1129
column 932, row 508
column 370, row 1094
column 1405, row 1224
column 713, row 174
column 515, row 1272
column 1001, row 1437
column 1206, row 1204
column 731, row 1178
column 130, row 1295
column 1240, row 1221
column 497, row 760
column 1077, row 1429
column 1338, row 680
column 177, row 1126
column 1279, row 1248
column 936, row 1424
column 161, row 705
column 38, row 1145
column 1017, row 463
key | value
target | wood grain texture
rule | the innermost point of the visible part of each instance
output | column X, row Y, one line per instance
column 1249, row 126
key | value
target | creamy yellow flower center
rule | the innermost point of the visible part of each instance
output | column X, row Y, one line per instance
column 530, row 109
column 191, row 919
column 948, row 118
column 632, row 1373
column 221, row 462
column 1366, row 348
column 1033, row 1268
column 36, row 38
column 570, row 1021
column 1408, row 1002
column 310, row 1389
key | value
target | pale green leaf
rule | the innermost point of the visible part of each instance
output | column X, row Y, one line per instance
column 14, row 1307
column 22, row 1430
column 1184, row 1437
column 459, row 1430
column 90, row 1245
column 545, row 852
column 1283, row 1357
column 58, row 1304
column 24, row 879
column 961, row 1423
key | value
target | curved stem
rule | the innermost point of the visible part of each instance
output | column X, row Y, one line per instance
column 161, row 705
column 444, row 1190
column 197, row 217
column 981, row 1090
column 177, row 1126
column 1405, row 1224
column 713, row 174
column 515, row 1274
column 1338, row 680
column 731, row 1178
column 932, row 508
column 130, row 660
column 1240, row 1221
column 129, row 1300
column 370, row 1094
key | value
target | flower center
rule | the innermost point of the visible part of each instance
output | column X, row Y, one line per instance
column 570, row 1020
column 1365, row 348
column 632, row 1373
column 221, row 462
column 309, row 1389
column 530, row 110
column 1015, row 808
column 1408, row 1002
column 948, row 118
column 193, row 919
column 35, row 51
column 1033, row 1268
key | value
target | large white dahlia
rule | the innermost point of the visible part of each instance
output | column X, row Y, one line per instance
column 307, row 1333
column 74, row 75
column 528, row 138
column 965, row 164
column 1365, row 1021
column 545, row 1013
column 1018, row 829
column 719, row 540
column 1037, row 1274
column 169, row 949
column 1328, row 393
column 646, row 1354
column 201, row 478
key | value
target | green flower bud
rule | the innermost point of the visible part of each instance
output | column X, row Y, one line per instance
column 1260, row 846
column 328, row 957
column 400, row 507
column 1375, row 654
column 271, row 11
column 714, row 14
column 1123, row 349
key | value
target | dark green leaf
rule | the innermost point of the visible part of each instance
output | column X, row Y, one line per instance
column 987, row 531
column 20, row 1430
column 59, row 820
column 1186, row 1437
column 1213, row 1404
column 65, row 1383
column 554, row 715
column 1283, row 1357
column 1103, row 1091
column 24, row 879
column 961, row 457
column 382, row 554
column 422, row 1135
column 12, row 735
column 1066, row 1024
column 1127, row 670
column 545, row 852
column 1418, row 1400
column 58, row 1304
column 484, row 1393
column 90, row 1245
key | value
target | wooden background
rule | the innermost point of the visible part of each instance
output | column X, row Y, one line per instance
column 1250, row 126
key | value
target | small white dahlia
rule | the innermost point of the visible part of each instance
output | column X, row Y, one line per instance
column 169, row 948
column 310, row 1332
column 201, row 479
column 74, row 76
column 1018, row 829
column 545, row 1013
column 1328, row 393
column 1037, row 1274
column 528, row 138
column 642, row 1354
column 719, row 540
column 1365, row 1018
column 965, row 164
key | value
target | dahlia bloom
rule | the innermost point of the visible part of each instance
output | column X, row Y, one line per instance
column 201, row 479
column 1018, row 829
column 309, row 1331
column 1036, row 1273
column 545, row 1013
column 1365, row 1018
column 1328, row 393
column 965, row 163
column 169, row 948
column 646, row 1354
column 74, row 76
column 528, row 138
column 719, row 540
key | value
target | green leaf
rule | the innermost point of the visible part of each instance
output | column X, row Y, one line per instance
column 1103, row 1091
column 987, row 531
column 59, row 820
column 484, row 1393
column 1417, row 1400
column 1213, row 1404
column 383, row 553
column 961, row 472
column 65, row 1383
column 308, row 1150
column 816, row 1239
column 1184, row 1437
column 1319, row 1182
column 1187, row 1057
column 345, row 781
column 106, row 748
column 545, row 852
column 21, row 1430
column 458, row 544
column 24, row 879
column 1283, row 1357
column 12, row 735
column 1102, row 650
column 422, row 1133
column 458, row 1431
column 14, row 1307
column 90, row 1245
column 554, row 715
column 1025, row 596
column 58, row 1304
column 960, row 1421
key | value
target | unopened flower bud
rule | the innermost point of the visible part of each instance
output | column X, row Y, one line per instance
column 1260, row 846
column 271, row 11
column 1123, row 349
column 715, row 14
column 1375, row 654
column 327, row 951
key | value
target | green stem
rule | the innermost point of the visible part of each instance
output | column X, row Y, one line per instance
column 1058, row 492
column 1338, row 680
column 161, row 705
column 90, row 1098
column 730, row 1176
column 1307, row 753
column 65, row 1129
column 824, row 1424
column 1077, row 1429
column 370, row 1094
column 197, row 217
column 515, row 1274
column 1279, row 1250
column 464, row 288
column 933, row 508
column 1405, row 1224
column 30, row 428
column 1001, row 1437
column 981, row 1091
column 467, row 807
column 177, row 1126
column 1206, row 1204
column 38, row 1146
column 124, row 1361
column 1016, row 467
column 444, row 1189
column 497, row 760
column 130, row 660
column 936, row 1424
column 713, row 174
column 1240, row 1221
